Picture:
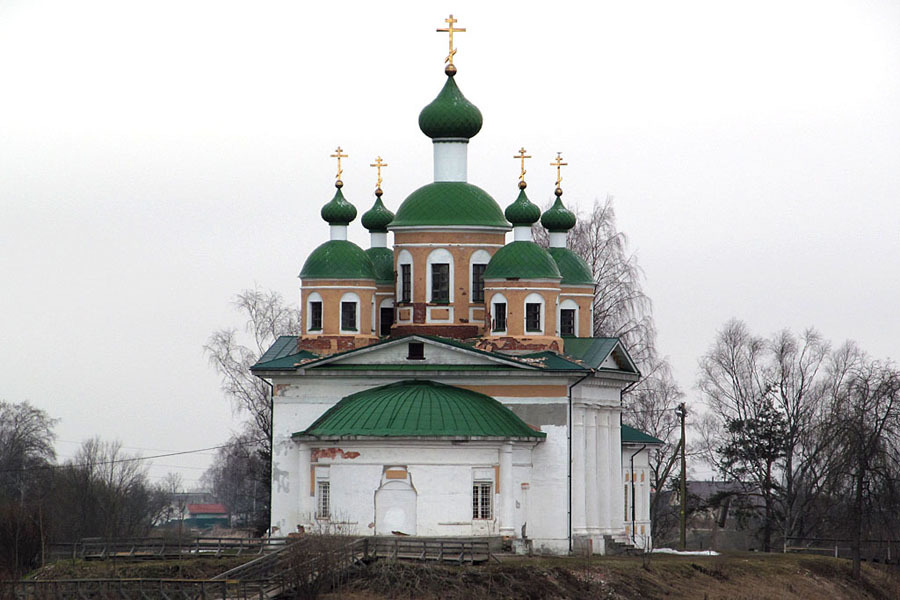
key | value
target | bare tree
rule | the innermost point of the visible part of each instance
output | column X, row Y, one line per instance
column 239, row 478
column 232, row 354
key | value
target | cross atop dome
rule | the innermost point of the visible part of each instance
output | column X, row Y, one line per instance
column 558, row 163
column 378, row 164
column 338, row 154
column 522, row 156
column 450, row 70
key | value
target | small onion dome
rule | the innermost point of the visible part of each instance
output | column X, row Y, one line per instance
column 449, row 203
column 558, row 218
column 338, row 211
column 450, row 115
column 383, row 261
column 377, row 218
column 572, row 267
column 522, row 212
column 338, row 259
column 522, row 260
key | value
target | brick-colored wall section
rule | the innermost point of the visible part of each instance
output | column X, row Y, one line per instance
column 329, row 344
column 515, row 344
column 460, row 332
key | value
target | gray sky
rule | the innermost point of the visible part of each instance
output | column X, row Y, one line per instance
column 158, row 157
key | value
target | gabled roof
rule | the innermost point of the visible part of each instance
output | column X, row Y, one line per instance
column 416, row 409
column 207, row 509
column 602, row 353
column 630, row 435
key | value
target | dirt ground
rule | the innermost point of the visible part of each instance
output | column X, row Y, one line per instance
column 727, row 577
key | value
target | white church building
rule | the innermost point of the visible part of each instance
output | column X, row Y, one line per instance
column 449, row 385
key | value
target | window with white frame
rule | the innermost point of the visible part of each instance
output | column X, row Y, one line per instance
column 323, row 499
column 483, row 500
column 349, row 313
column 314, row 311
column 404, row 279
column 534, row 313
column 568, row 318
column 440, row 276
column 478, row 263
column 498, row 313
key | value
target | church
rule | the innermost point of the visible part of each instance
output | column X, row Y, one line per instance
column 449, row 384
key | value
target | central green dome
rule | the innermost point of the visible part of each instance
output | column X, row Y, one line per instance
column 572, row 267
column 522, row 260
column 449, row 203
column 450, row 115
column 338, row 259
column 383, row 261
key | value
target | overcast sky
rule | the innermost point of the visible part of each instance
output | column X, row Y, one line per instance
column 158, row 157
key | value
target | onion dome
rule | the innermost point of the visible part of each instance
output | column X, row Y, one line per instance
column 450, row 115
column 338, row 259
column 383, row 262
column 573, row 268
column 522, row 212
column 419, row 408
column 338, row 211
column 377, row 218
column 522, row 260
column 449, row 203
column 558, row 218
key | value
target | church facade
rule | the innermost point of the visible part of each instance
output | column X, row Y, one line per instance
column 449, row 384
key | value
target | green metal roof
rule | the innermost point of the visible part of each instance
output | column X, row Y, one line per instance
column 573, row 268
column 383, row 261
column 283, row 354
column 522, row 211
column 338, row 259
column 558, row 218
column 419, row 409
column 377, row 218
column 448, row 203
column 630, row 435
column 590, row 351
column 522, row 260
column 338, row 211
column 450, row 115
column 551, row 361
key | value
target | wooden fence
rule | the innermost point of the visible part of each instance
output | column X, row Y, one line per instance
column 883, row 551
column 161, row 548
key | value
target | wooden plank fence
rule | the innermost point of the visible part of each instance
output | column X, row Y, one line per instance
column 162, row 548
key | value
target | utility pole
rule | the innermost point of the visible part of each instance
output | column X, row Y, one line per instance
column 682, row 413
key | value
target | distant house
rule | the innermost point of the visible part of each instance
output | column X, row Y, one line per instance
column 205, row 516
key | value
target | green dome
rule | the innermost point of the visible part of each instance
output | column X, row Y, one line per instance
column 338, row 259
column 383, row 262
column 450, row 115
column 448, row 203
column 338, row 211
column 377, row 218
column 420, row 409
column 522, row 260
column 522, row 211
column 572, row 267
column 558, row 218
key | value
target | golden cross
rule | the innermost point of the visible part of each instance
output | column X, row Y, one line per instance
column 338, row 155
column 522, row 156
column 378, row 164
column 558, row 163
column 451, row 29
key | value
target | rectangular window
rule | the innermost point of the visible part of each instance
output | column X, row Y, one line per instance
column 315, row 316
column 500, row 316
column 348, row 316
column 478, row 283
column 440, row 282
column 533, row 317
column 567, row 321
column 416, row 351
column 323, row 499
column 387, row 319
column 482, row 500
column 405, row 283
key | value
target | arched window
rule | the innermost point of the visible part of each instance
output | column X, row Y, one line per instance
column 499, row 310
column 349, row 313
column 568, row 318
column 439, row 286
column 314, row 313
column 385, row 316
column 404, row 277
column 477, row 264
column 534, row 314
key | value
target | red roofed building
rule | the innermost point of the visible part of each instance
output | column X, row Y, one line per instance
column 205, row 516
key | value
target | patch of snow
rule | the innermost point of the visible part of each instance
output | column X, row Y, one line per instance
column 685, row 552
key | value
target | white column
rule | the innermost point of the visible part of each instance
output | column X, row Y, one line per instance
column 592, row 496
column 578, row 474
column 606, row 482
column 522, row 233
column 558, row 239
column 507, row 527
column 339, row 232
column 617, row 507
column 450, row 161
column 377, row 239
column 305, row 503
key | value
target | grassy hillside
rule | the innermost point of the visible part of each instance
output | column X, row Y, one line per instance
column 733, row 577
